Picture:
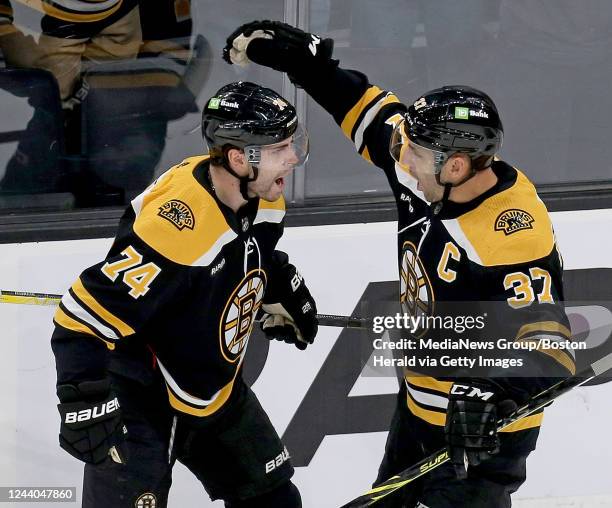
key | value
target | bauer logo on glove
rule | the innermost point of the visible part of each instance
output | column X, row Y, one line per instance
column 91, row 428
column 290, row 312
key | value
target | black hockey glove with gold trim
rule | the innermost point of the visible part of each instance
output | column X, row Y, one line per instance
column 91, row 428
column 290, row 312
column 474, row 407
column 279, row 46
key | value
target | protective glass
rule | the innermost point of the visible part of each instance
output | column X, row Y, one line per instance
column 407, row 153
column 291, row 152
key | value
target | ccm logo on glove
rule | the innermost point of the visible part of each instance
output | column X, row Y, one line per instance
column 471, row 391
column 93, row 413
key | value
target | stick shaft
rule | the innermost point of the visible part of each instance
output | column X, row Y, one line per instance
column 441, row 456
column 25, row 298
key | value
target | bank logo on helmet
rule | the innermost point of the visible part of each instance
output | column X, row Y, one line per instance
column 462, row 113
column 513, row 220
column 178, row 213
column 238, row 317
column 416, row 292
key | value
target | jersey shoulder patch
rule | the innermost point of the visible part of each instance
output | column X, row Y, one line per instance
column 178, row 218
column 508, row 228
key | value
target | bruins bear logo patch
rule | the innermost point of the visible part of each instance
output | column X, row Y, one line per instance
column 511, row 221
column 416, row 291
column 178, row 213
column 147, row 500
column 239, row 315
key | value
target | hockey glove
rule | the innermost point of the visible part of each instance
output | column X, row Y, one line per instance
column 471, row 422
column 279, row 46
column 91, row 428
column 290, row 312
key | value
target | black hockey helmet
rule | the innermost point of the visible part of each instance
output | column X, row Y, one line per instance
column 247, row 116
column 244, row 114
column 453, row 119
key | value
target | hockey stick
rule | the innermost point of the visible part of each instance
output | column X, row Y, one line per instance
column 24, row 298
column 441, row 456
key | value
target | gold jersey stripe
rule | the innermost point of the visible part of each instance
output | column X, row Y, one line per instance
column 389, row 99
column 557, row 354
column 432, row 417
column 170, row 48
column 58, row 13
column 208, row 410
column 478, row 233
column 352, row 116
column 7, row 29
column 439, row 418
column 135, row 80
column 366, row 154
column 431, row 383
column 65, row 321
column 4, row 9
column 529, row 422
column 85, row 296
column 279, row 204
column 543, row 326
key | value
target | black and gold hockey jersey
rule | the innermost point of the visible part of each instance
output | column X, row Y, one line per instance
column 184, row 279
column 79, row 19
column 497, row 251
column 6, row 18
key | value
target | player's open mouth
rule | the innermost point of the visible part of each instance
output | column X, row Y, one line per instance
column 280, row 181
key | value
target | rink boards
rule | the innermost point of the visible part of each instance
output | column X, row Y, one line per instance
column 332, row 414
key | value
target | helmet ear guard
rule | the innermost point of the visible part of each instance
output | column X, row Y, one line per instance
column 253, row 154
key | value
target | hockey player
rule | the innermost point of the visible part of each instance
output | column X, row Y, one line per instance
column 71, row 31
column 471, row 228
column 149, row 343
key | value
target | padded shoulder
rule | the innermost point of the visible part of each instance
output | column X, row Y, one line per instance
column 508, row 228
column 178, row 217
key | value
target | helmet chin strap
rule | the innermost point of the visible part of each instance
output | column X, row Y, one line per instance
column 447, row 188
column 244, row 180
column 244, row 183
column 438, row 205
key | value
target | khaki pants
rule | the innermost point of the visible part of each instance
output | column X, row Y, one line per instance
column 64, row 57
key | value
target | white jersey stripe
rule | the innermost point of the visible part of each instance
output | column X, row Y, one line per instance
column 194, row 401
column 454, row 229
column 269, row 215
column 208, row 257
column 86, row 7
column 75, row 308
column 427, row 398
column 551, row 338
column 409, row 182
column 367, row 120
column 138, row 201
